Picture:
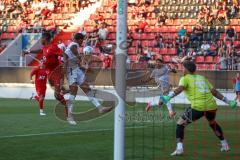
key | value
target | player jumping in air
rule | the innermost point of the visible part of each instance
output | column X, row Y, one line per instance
column 201, row 94
column 40, row 74
column 76, row 76
column 236, row 81
column 161, row 77
column 50, row 58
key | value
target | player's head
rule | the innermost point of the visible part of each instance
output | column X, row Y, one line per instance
column 238, row 74
column 159, row 63
column 189, row 67
column 78, row 38
column 46, row 38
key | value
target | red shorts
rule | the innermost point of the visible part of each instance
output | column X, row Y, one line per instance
column 41, row 90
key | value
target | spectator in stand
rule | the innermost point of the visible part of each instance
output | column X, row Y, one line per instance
column 162, row 19
column 142, row 24
column 83, row 31
column 230, row 34
column 184, row 42
column 204, row 48
column 233, row 11
column 103, row 32
column 152, row 62
column 203, row 14
column 93, row 37
column 133, row 3
column 182, row 32
column 114, row 8
column 222, row 14
column 198, row 32
column 213, row 50
column 159, row 41
column 191, row 53
column 156, row 10
column 99, row 19
column 223, row 62
column 221, row 48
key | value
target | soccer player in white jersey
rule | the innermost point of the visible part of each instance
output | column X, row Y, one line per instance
column 76, row 76
column 161, row 76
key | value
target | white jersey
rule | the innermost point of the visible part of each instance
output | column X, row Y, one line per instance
column 161, row 75
column 72, row 59
column 75, row 74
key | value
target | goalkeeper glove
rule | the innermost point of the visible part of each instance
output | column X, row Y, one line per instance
column 167, row 98
column 232, row 104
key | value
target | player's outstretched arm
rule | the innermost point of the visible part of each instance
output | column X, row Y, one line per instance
column 219, row 96
column 172, row 94
column 25, row 52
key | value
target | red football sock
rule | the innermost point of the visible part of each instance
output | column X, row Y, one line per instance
column 41, row 103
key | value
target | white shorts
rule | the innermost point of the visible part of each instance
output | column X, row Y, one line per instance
column 76, row 76
column 164, row 87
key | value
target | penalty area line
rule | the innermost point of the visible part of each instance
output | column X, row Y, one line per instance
column 66, row 132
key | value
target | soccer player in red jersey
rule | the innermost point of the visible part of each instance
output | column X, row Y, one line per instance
column 40, row 74
column 50, row 57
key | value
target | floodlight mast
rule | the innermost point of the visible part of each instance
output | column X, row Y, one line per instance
column 120, row 81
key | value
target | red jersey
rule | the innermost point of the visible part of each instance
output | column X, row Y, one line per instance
column 40, row 77
column 51, row 55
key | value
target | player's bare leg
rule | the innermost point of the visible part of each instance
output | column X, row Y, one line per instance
column 88, row 91
column 60, row 97
column 219, row 133
column 180, row 136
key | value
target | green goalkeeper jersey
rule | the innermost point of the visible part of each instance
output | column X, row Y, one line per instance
column 198, row 91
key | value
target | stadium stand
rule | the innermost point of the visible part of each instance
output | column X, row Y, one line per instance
column 34, row 16
column 209, row 28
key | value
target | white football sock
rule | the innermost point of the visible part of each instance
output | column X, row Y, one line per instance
column 94, row 100
column 223, row 142
column 41, row 110
column 70, row 103
column 169, row 106
column 153, row 104
column 179, row 146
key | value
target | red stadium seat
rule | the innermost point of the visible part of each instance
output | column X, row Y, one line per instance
column 131, row 50
column 200, row 59
column 133, row 58
column 156, row 50
column 172, row 51
column 112, row 36
column 216, row 59
column 209, row 59
column 163, row 51
column 145, row 43
column 12, row 35
column 166, row 58
column 4, row 36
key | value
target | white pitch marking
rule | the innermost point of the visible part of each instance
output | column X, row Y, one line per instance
column 66, row 132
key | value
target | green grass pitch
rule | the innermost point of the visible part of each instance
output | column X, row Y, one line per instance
column 24, row 135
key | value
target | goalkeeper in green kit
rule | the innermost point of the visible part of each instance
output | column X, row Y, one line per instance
column 201, row 94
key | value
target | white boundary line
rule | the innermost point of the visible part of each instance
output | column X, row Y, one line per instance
column 92, row 130
column 66, row 132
